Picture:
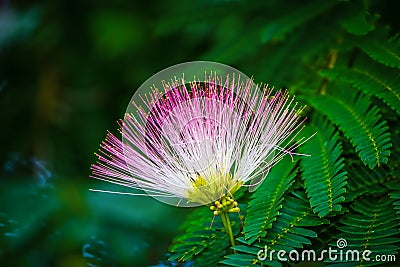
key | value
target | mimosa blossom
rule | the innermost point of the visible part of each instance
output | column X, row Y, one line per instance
column 201, row 141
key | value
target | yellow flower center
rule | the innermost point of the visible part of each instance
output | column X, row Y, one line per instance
column 208, row 190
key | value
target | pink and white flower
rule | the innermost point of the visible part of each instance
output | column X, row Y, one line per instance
column 201, row 141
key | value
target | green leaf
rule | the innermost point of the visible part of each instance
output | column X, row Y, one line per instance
column 323, row 172
column 197, row 235
column 373, row 79
column 360, row 121
column 371, row 225
column 395, row 195
column 266, row 202
column 288, row 232
column 387, row 53
column 362, row 180
column 213, row 254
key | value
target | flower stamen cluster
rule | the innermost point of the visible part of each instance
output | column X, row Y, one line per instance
column 198, row 142
column 225, row 204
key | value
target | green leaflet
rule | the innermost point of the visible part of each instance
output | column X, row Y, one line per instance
column 395, row 194
column 362, row 180
column 212, row 255
column 323, row 172
column 371, row 225
column 289, row 231
column 266, row 202
column 373, row 79
column 197, row 236
column 387, row 53
column 360, row 121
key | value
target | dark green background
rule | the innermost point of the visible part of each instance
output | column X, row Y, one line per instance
column 67, row 72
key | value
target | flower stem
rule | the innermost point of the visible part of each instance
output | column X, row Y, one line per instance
column 228, row 228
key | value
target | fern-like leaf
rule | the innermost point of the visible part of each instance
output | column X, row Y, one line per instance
column 360, row 121
column 288, row 232
column 387, row 53
column 197, row 236
column 204, row 245
column 323, row 172
column 395, row 194
column 365, row 181
column 213, row 254
column 373, row 79
column 372, row 225
column 266, row 202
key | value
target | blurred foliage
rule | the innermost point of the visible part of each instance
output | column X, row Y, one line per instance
column 69, row 68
